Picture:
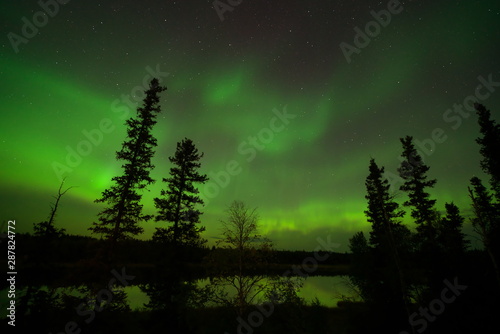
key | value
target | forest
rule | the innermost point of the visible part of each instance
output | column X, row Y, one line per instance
column 422, row 276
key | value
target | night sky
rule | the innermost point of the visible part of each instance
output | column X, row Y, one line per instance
column 267, row 94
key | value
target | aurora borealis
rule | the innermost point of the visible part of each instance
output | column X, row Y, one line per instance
column 285, row 122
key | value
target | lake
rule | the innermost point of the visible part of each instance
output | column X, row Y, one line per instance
column 327, row 289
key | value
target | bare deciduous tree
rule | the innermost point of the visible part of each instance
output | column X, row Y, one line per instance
column 47, row 228
column 246, row 250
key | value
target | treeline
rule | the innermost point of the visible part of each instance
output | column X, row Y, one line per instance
column 69, row 250
column 408, row 278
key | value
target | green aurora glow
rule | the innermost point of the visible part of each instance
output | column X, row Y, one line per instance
column 225, row 79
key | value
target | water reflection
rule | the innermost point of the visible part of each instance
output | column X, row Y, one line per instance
column 327, row 289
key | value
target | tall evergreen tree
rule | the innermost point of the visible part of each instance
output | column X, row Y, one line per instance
column 120, row 219
column 388, row 237
column 451, row 242
column 486, row 221
column 450, row 235
column 383, row 213
column 378, row 285
column 361, row 266
column 177, row 204
column 413, row 171
column 490, row 147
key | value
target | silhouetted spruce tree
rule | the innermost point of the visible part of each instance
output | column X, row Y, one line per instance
column 177, row 204
column 361, row 266
column 450, row 235
column 413, row 171
column 389, row 239
column 490, row 147
column 486, row 221
column 370, row 279
column 120, row 219
column 452, row 242
column 430, row 255
column 383, row 213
